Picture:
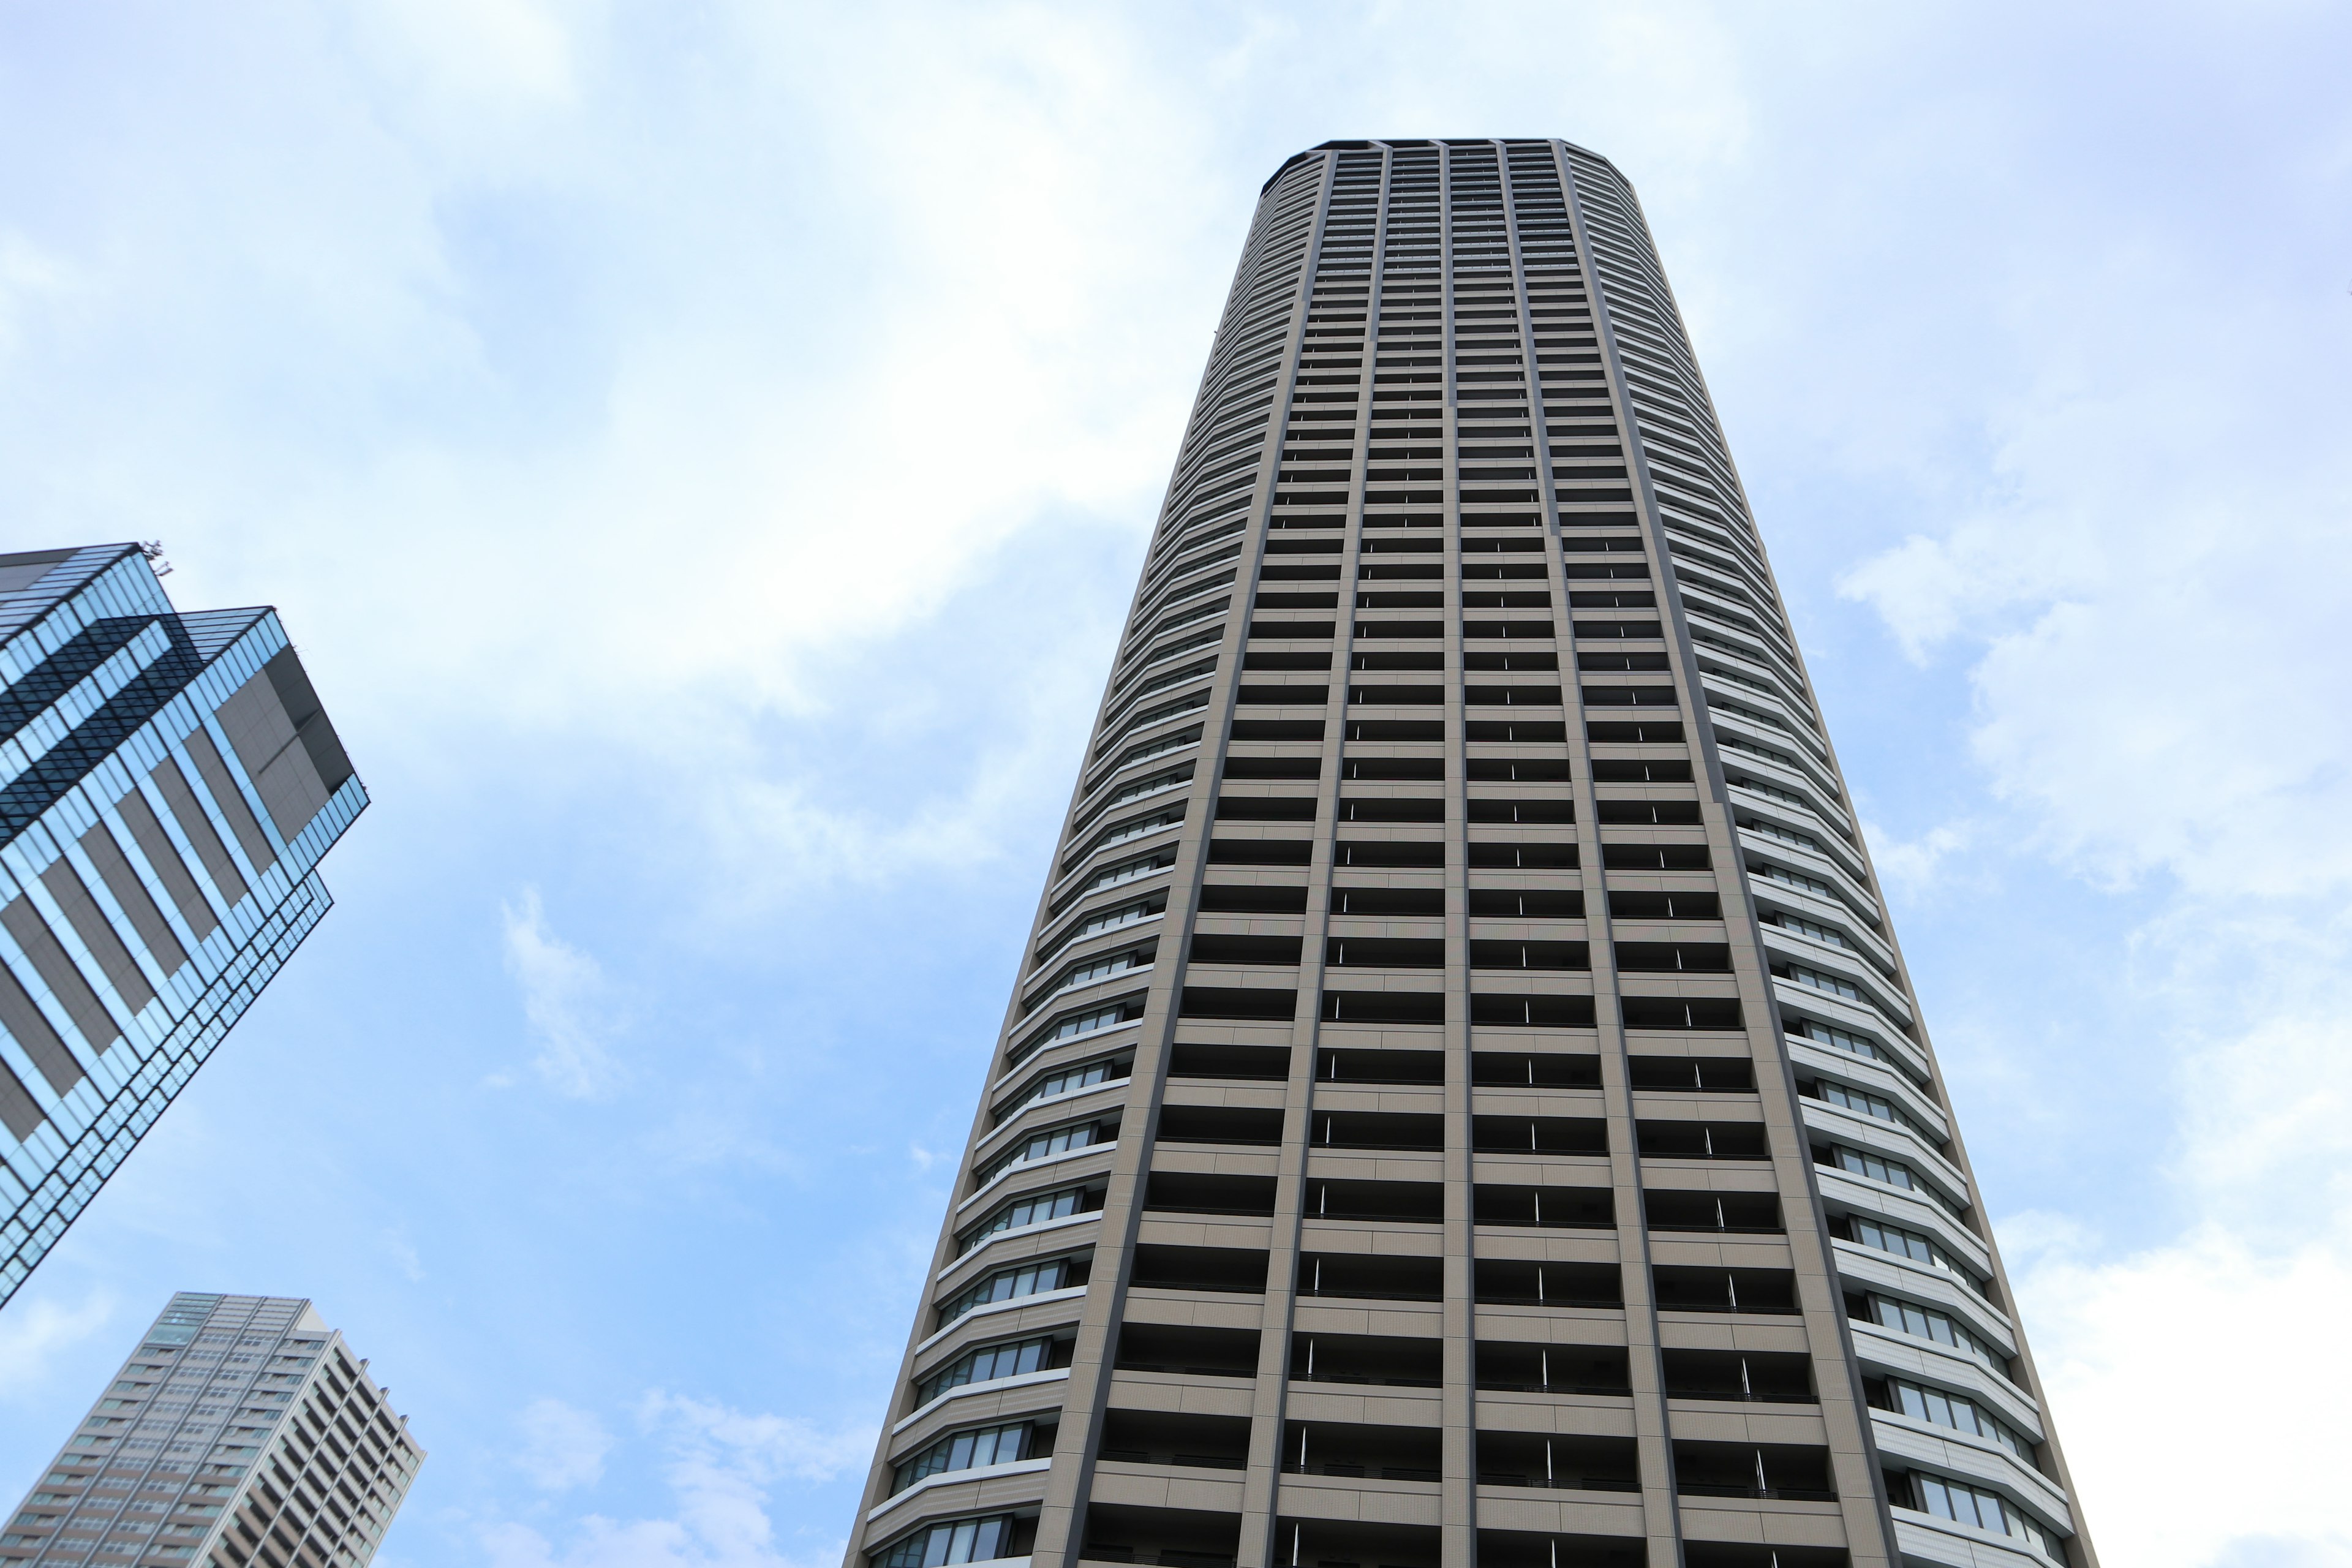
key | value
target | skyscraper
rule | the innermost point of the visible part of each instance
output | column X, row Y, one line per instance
column 241, row 1430
column 1450, row 1112
column 168, row 784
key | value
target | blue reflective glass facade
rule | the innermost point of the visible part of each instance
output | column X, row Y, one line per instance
column 168, row 785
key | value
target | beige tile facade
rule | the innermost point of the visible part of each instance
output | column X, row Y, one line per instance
column 1473, row 1104
column 241, row 1431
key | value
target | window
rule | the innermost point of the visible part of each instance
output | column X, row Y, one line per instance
column 1035, row 1208
column 1010, row 1285
column 1192, row 671
column 952, row 1541
column 1925, row 1323
column 1102, row 921
column 1789, row 879
column 1156, row 748
column 1922, row 1402
column 966, row 1451
column 1173, row 778
column 1087, row 972
column 1009, row 1357
column 1043, row 1145
column 1141, row 827
column 1128, row 870
column 1862, row 1162
column 1836, row 986
column 1804, row 927
column 1769, row 791
column 1071, row 1080
column 1845, row 1040
column 1075, row 1024
column 1907, row 1244
column 1985, row 1510
column 1161, row 652
column 1876, row 1107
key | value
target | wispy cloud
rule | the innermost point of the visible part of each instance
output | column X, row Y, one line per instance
column 1916, row 866
column 563, row 1446
column 403, row 1250
column 35, row 1329
column 567, row 1001
column 722, row 1467
column 2155, row 679
column 594, row 385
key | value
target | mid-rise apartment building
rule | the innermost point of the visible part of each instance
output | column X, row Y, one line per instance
column 1463, row 1100
column 241, row 1431
column 168, row 785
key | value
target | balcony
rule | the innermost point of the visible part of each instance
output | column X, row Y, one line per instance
column 1786, row 1472
column 1550, row 1208
column 1165, row 1537
column 1177, row 1350
column 1768, row 1291
column 1361, row 1452
column 1383, row 1359
column 1367, row 1277
column 1731, row 1214
column 1512, row 1366
column 1505, row 1281
column 1557, row 1462
column 1167, row 1437
column 1766, row 1377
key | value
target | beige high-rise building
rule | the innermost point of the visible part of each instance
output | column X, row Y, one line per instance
column 242, row 1433
column 1463, row 1101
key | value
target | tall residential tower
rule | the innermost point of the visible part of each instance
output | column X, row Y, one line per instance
column 241, row 1431
column 1463, row 1101
column 168, row 784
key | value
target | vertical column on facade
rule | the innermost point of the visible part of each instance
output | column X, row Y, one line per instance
column 1269, row 1393
column 1457, row 1415
column 1660, row 1523
column 1265, row 1536
column 1866, row 1528
column 1227, row 383
column 1332, row 1515
column 1071, row 1481
column 1727, row 527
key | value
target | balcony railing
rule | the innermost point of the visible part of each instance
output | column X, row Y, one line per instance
column 1362, row 1472
column 1558, row 1483
column 1194, row 1462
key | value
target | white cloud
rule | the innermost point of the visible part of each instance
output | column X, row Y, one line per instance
column 500, row 53
column 2219, row 1339
column 35, row 1329
column 403, row 1252
column 2157, row 678
column 585, row 376
column 2152, row 617
column 1929, row 590
column 30, row 279
column 1912, row 866
column 563, row 1446
column 721, row 1467
column 568, row 1002
column 2207, row 1347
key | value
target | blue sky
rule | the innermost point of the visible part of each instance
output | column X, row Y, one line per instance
column 702, row 452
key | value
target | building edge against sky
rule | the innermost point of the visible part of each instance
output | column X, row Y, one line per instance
column 168, row 785
column 1450, row 1109
column 242, row 1428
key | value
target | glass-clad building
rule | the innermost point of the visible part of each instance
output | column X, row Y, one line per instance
column 1463, row 1100
column 168, row 784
